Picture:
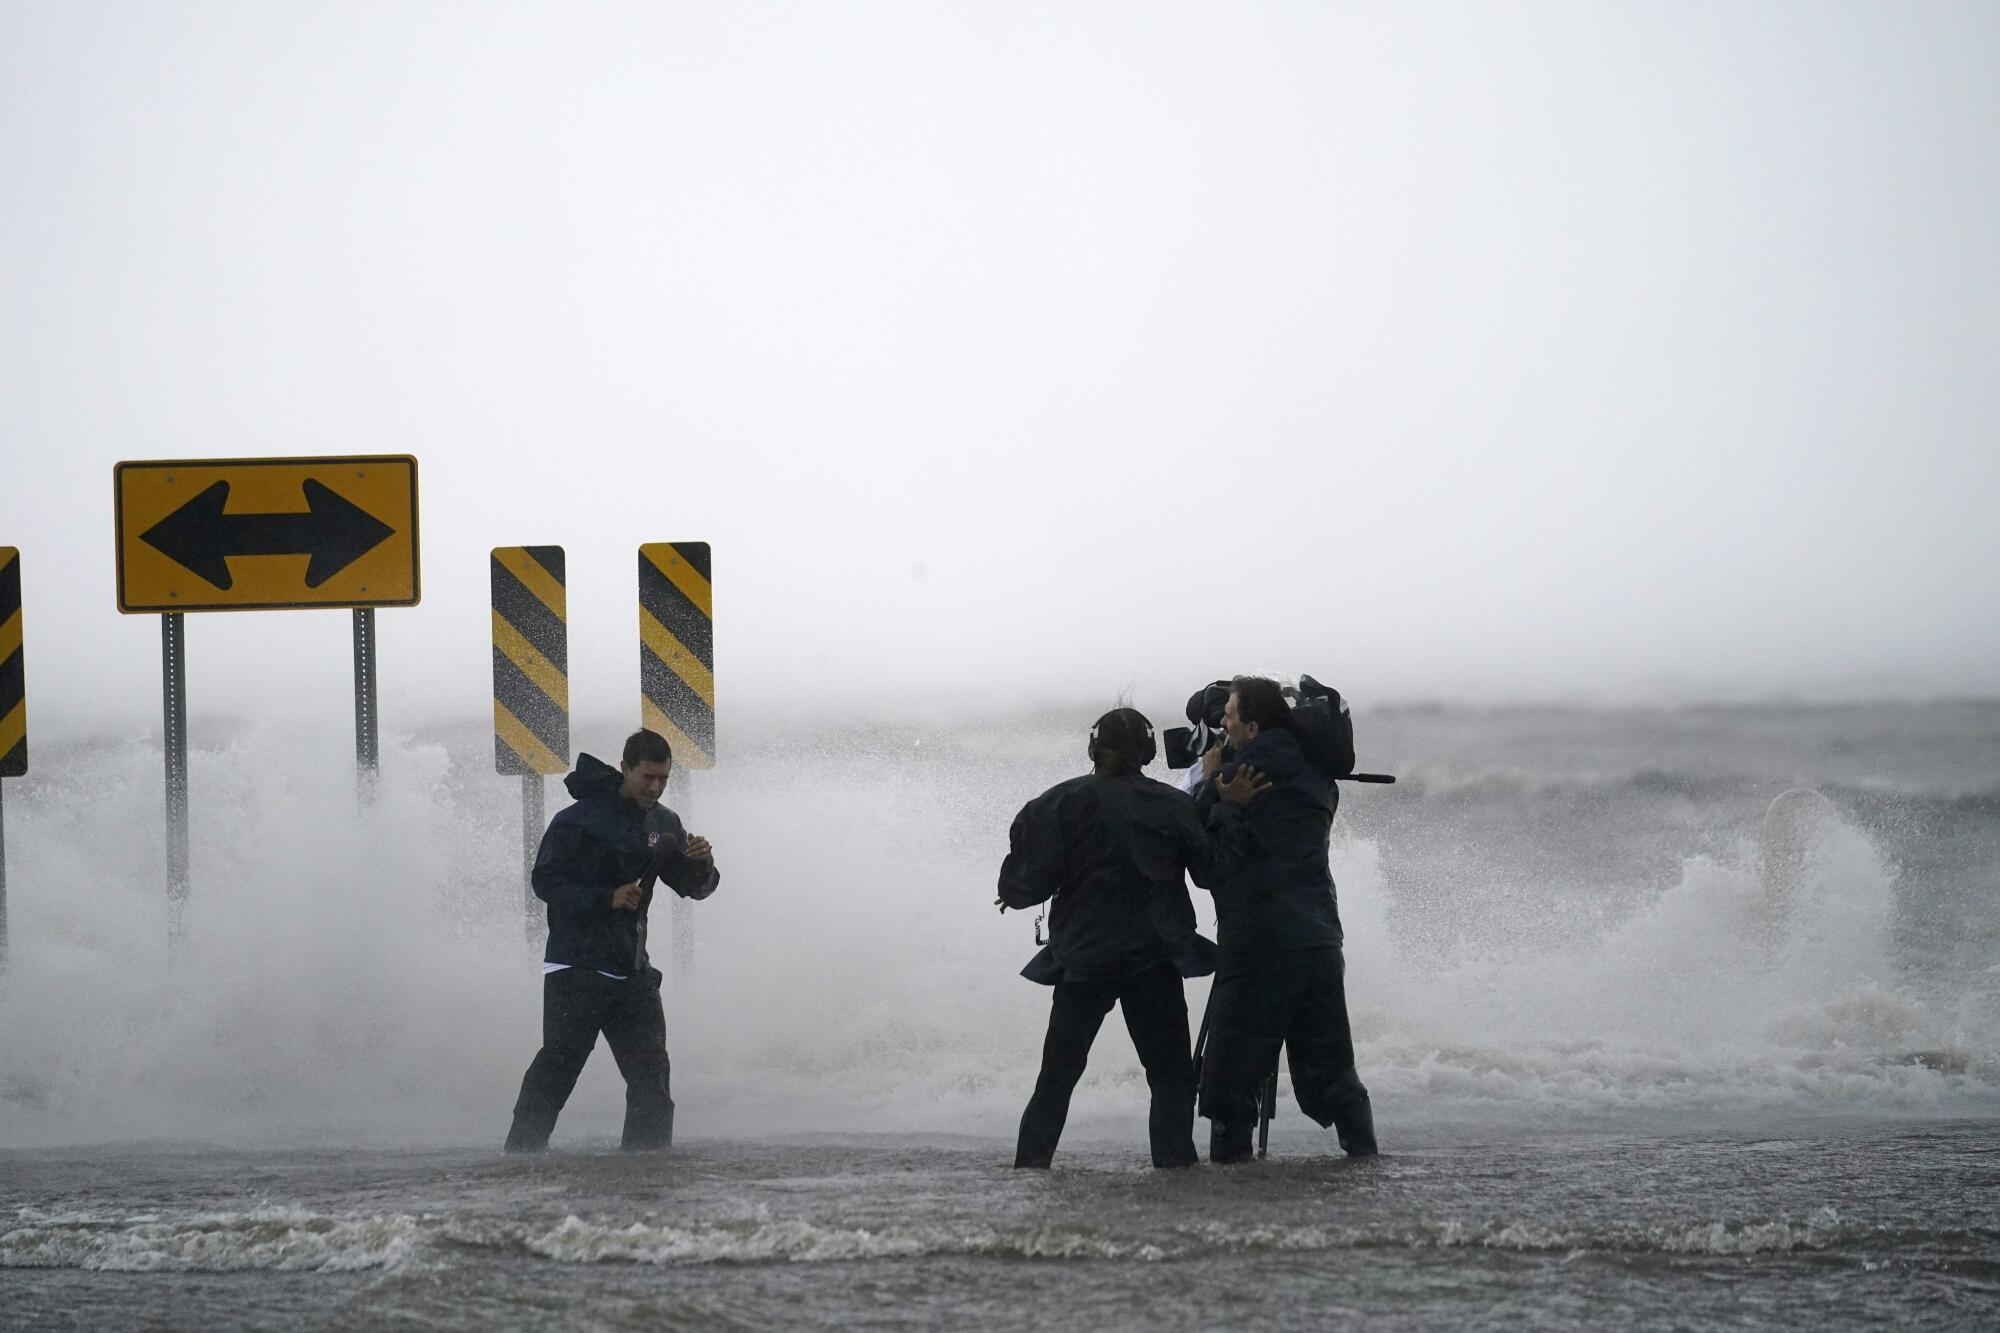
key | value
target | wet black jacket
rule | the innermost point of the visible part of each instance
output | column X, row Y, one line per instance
column 1280, row 896
column 589, row 850
column 1113, row 851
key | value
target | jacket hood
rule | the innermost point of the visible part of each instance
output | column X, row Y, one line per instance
column 593, row 777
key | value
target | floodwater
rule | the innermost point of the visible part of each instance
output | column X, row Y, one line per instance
column 1841, row 1225
column 1621, row 1072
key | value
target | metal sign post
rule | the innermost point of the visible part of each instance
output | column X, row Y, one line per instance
column 173, row 691
column 3, row 876
column 367, row 729
column 680, row 917
column 533, row 821
column 530, row 685
column 13, row 708
column 677, row 679
column 260, row 534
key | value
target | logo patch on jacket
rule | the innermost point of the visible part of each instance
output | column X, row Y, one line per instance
column 652, row 839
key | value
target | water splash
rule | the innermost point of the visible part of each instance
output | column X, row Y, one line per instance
column 364, row 974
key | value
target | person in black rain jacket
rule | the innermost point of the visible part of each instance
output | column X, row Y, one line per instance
column 1279, row 977
column 597, row 867
column 1112, row 849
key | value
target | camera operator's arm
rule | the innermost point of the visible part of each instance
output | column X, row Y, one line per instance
column 1211, row 761
column 1033, row 869
column 1203, row 789
column 1215, row 847
column 558, row 876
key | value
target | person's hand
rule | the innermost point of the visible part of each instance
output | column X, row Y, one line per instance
column 1246, row 786
column 1211, row 761
column 625, row 898
column 698, row 849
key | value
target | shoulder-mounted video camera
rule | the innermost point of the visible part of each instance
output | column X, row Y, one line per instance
column 1319, row 718
column 1186, row 745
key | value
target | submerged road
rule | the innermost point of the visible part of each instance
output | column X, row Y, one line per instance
column 1832, row 1225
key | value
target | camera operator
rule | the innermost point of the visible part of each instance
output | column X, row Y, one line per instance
column 1279, row 980
column 1112, row 848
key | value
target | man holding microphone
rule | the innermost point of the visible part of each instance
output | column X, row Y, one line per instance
column 596, row 869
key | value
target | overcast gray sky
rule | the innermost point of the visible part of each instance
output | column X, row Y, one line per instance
column 1036, row 351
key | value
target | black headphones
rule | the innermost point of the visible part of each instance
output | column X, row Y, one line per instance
column 1143, row 757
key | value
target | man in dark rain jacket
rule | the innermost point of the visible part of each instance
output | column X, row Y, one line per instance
column 1112, row 848
column 1277, row 926
column 596, row 870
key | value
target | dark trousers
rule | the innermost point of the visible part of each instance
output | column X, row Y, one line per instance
column 1295, row 1000
column 1156, row 1016
column 577, row 1004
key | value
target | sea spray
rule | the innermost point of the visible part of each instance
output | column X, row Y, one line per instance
column 361, row 972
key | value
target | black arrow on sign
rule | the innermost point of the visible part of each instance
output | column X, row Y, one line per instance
column 334, row 531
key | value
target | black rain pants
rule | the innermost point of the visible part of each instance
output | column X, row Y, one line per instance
column 1296, row 1000
column 577, row 1004
column 1156, row 1015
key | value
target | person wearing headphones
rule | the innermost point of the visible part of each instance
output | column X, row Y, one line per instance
column 1112, row 848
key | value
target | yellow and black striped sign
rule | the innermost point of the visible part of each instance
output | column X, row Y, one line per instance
column 530, row 660
column 13, row 681
column 677, row 649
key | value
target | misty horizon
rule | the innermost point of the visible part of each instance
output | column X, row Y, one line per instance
column 1630, row 356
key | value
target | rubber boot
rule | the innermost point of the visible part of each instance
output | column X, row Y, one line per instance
column 649, row 1127
column 519, row 1142
column 1355, row 1124
column 1229, row 1144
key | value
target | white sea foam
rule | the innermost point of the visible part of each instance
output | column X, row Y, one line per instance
column 798, row 1241
column 294, row 1240
column 1819, row 1231
column 291, row 1240
column 274, row 1239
